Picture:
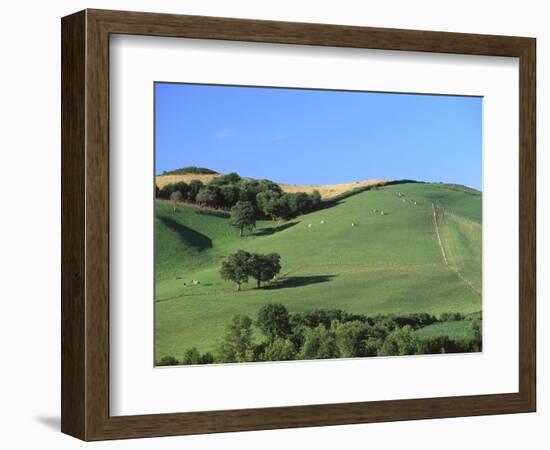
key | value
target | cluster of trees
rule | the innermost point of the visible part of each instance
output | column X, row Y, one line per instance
column 226, row 191
column 241, row 265
column 190, row 169
column 322, row 334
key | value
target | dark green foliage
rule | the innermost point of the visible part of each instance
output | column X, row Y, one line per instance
column 269, row 203
column 208, row 196
column 319, row 343
column 190, row 169
column 325, row 317
column 191, row 356
column 450, row 317
column 298, row 203
column 228, row 195
column 474, row 336
column 401, row 341
column 168, row 361
column 166, row 191
column 417, row 320
column 350, row 337
column 323, row 334
column 207, row 358
column 241, row 265
column 225, row 191
column 315, row 198
column 264, row 267
column 279, row 350
column 274, row 321
column 231, row 178
column 371, row 346
column 243, row 216
column 237, row 345
column 236, row 268
column 194, row 187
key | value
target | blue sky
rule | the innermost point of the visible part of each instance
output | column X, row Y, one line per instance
column 302, row 136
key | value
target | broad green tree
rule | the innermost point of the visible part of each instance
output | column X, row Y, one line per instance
column 264, row 267
column 274, row 321
column 243, row 216
column 236, row 268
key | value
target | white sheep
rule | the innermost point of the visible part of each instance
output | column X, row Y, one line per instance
column 352, row 224
column 309, row 225
column 322, row 222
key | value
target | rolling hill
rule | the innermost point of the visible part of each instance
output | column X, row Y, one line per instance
column 423, row 254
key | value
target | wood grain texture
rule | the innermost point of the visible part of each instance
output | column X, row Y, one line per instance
column 73, row 108
column 85, row 224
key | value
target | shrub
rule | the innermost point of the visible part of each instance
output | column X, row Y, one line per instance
column 401, row 341
column 191, row 356
column 371, row 346
column 450, row 316
column 168, row 361
column 319, row 343
column 206, row 358
column 279, row 350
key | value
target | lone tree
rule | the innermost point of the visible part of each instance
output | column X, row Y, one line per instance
column 236, row 268
column 175, row 198
column 242, row 216
column 264, row 267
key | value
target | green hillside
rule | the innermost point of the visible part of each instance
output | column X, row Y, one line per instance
column 389, row 263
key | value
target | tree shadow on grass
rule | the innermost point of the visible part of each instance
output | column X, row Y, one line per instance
column 291, row 282
column 187, row 235
column 275, row 229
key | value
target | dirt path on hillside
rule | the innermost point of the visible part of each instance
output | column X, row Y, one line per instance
column 456, row 271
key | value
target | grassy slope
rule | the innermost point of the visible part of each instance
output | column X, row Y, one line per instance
column 456, row 330
column 386, row 264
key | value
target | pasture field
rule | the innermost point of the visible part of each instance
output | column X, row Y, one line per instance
column 456, row 330
column 388, row 263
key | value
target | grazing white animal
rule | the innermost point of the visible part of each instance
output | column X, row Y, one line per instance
column 322, row 222
column 195, row 282
column 352, row 224
column 415, row 202
column 381, row 213
column 309, row 225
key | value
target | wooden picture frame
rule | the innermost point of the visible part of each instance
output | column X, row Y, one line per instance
column 85, row 224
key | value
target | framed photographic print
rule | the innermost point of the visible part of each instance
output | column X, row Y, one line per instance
column 271, row 224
